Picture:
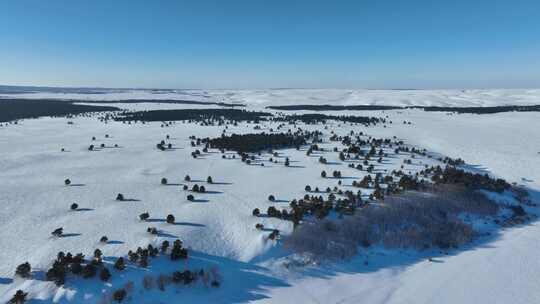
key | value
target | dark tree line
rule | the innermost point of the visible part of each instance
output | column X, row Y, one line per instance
column 256, row 142
column 214, row 115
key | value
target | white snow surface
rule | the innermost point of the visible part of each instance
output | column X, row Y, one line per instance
column 267, row 97
column 219, row 227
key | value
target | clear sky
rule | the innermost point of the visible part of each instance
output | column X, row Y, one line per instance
column 262, row 44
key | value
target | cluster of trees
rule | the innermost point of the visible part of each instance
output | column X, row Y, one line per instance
column 205, row 116
column 77, row 265
column 483, row 110
column 410, row 220
column 335, row 174
column 322, row 118
column 162, row 145
column 257, row 142
column 334, row 108
column 13, row 109
column 66, row 263
column 315, row 206
column 196, row 188
column 452, row 175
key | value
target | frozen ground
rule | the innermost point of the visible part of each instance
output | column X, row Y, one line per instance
column 219, row 227
column 458, row 98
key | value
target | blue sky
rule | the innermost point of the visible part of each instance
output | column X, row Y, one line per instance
column 261, row 44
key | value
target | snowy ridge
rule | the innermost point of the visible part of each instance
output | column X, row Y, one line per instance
column 266, row 97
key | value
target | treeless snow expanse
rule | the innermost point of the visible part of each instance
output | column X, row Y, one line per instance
column 273, row 97
column 219, row 227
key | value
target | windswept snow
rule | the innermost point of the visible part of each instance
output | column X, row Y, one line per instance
column 274, row 97
column 219, row 227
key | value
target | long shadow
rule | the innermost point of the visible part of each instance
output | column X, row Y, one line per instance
column 77, row 185
column 83, row 209
column 173, row 184
column 114, row 242
column 131, row 200
column 166, row 234
column 155, row 220
column 5, row 281
column 213, row 192
column 295, row 166
column 221, row 183
column 343, row 177
column 200, row 200
column 65, row 235
column 189, row 224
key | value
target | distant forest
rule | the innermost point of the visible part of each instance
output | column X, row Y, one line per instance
column 14, row 109
column 193, row 114
column 460, row 110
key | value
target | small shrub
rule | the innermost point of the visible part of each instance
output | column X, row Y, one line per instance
column 170, row 219
column 177, row 252
column 256, row 212
column 74, row 206
column 67, row 182
column 58, row 232
column 274, row 234
column 23, row 270
column 144, row 216
column 89, row 271
column 19, row 297
column 164, row 181
column 120, row 264
column 105, row 274
column 164, row 246
column 104, row 239
column 119, row 295
column 120, row 197
column 152, row 230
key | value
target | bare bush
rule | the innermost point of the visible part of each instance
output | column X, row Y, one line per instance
column 418, row 220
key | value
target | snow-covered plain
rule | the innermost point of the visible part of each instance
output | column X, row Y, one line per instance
column 219, row 226
column 273, row 97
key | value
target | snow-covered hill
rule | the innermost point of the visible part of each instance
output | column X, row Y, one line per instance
column 218, row 226
column 268, row 97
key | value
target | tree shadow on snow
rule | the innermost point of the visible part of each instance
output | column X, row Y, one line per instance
column 66, row 235
column 239, row 282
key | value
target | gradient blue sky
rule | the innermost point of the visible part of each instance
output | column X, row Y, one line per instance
column 261, row 44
